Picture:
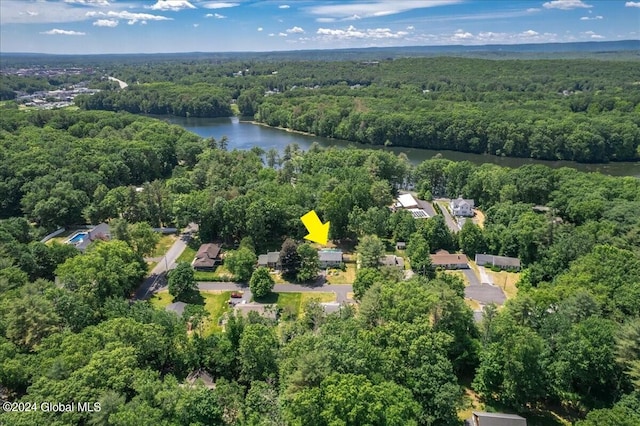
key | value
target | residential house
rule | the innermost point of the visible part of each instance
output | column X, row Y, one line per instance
column 502, row 262
column 480, row 418
column 270, row 260
column 392, row 261
column 100, row 232
column 401, row 245
column 461, row 207
column 201, row 376
column 330, row 258
column 207, row 257
column 445, row 260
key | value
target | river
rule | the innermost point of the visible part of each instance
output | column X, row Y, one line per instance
column 245, row 135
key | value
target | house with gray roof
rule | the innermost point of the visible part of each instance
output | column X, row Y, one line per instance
column 502, row 262
column 461, row 207
column 392, row 261
column 270, row 260
column 99, row 232
column 330, row 258
column 481, row 418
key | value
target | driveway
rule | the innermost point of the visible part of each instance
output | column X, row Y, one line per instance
column 449, row 220
column 157, row 278
column 482, row 292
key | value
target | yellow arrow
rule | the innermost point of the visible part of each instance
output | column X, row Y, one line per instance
column 318, row 232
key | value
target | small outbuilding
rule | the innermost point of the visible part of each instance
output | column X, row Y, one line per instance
column 177, row 308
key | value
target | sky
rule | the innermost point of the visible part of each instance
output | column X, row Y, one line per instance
column 161, row 26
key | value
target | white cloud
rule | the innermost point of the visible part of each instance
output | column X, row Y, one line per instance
column 283, row 34
column 57, row 31
column 272, row 35
column 295, row 30
column 353, row 33
column 530, row 33
column 595, row 18
column 592, row 34
column 132, row 18
column 219, row 5
column 215, row 15
column 260, row 28
column 284, row 6
column 411, row 27
column 632, row 4
column 174, row 5
column 106, row 23
column 46, row 12
column 462, row 35
column 565, row 4
column 89, row 2
column 325, row 20
column 196, row 25
column 375, row 8
column 533, row 10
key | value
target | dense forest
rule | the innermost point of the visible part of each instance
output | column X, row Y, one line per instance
column 580, row 110
column 409, row 352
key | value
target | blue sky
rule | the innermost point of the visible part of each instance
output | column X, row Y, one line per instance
column 121, row 26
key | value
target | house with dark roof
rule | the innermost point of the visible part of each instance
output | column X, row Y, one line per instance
column 99, row 232
column 270, row 260
column 502, row 262
column 207, row 257
column 330, row 258
column 392, row 261
column 481, row 418
column 461, row 207
column 200, row 376
column 445, row 260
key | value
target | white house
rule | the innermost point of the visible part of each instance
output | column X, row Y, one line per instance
column 407, row 201
column 329, row 258
column 461, row 207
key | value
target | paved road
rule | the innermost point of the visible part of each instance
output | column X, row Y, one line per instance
column 450, row 221
column 157, row 278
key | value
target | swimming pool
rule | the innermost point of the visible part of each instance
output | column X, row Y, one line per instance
column 77, row 238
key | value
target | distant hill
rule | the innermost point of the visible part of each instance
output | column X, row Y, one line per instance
column 610, row 50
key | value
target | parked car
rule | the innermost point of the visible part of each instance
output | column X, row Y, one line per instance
column 236, row 294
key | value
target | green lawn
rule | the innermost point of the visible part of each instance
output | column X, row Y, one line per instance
column 163, row 245
column 220, row 274
column 292, row 304
column 215, row 302
column 187, row 255
column 336, row 276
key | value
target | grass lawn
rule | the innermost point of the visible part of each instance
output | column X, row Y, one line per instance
column 187, row 255
column 163, row 245
column 459, row 274
column 506, row 281
column 336, row 276
column 161, row 299
column 215, row 302
column 64, row 236
column 292, row 303
column 220, row 274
